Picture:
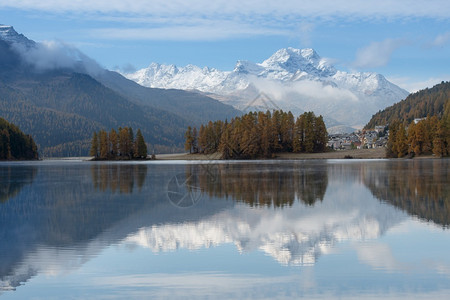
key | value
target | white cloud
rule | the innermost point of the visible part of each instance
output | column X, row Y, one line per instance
column 205, row 31
column 307, row 8
column 49, row 55
column 205, row 19
column 442, row 39
column 377, row 54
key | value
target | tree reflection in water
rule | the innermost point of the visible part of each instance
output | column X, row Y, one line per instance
column 120, row 178
column 13, row 179
column 259, row 185
column 419, row 187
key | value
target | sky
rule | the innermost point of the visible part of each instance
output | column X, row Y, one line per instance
column 408, row 41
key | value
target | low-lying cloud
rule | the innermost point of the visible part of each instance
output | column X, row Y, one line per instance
column 51, row 55
column 309, row 89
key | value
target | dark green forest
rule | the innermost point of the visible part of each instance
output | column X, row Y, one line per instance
column 428, row 102
column 61, row 108
column 259, row 134
column 14, row 144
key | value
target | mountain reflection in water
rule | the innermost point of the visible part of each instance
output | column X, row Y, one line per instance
column 51, row 215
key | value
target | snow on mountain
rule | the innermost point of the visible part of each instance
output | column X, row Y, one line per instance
column 294, row 79
column 8, row 34
column 295, row 236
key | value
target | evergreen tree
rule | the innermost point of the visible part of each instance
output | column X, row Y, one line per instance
column 189, row 140
column 14, row 144
column 124, row 143
column 401, row 146
column 94, row 146
column 141, row 147
column 439, row 146
column 195, row 140
column 225, row 142
column 114, row 143
column 103, row 144
column 391, row 147
column 130, row 143
column 5, row 150
column 320, row 135
column 202, row 139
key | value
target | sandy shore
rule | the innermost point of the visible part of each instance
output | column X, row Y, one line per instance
column 358, row 154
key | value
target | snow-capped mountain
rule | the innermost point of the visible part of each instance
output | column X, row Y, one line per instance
column 8, row 34
column 293, row 79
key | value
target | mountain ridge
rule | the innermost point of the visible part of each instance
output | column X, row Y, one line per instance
column 295, row 79
column 433, row 101
column 60, row 96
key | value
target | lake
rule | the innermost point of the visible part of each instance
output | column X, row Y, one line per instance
column 339, row 229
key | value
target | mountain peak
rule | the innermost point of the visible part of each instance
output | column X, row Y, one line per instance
column 10, row 35
column 293, row 60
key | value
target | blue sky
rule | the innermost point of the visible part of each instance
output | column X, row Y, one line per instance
column 408, row 41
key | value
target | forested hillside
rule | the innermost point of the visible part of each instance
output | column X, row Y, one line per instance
column 14, row 144
column 418, row 125
column 64, row 109
column 427, row 102
column 61, row 108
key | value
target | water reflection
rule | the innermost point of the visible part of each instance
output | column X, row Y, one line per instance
column 419, row 187
column 304, row 228
column 261, row 185
column 118, row 177
column 13, row 179
column 293, row 212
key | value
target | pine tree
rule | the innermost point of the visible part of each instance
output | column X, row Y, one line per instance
column 130, row 143
column 439, row 147
column 124, row 143
column 308, row 142
column 225, row 142
column 287, row 131
column 94, row 146
column 5, row 150
column 114, row 143
column 189, row 139
column 194, row 140
column 391, row 147
column 297, row 143
column 401, row 142
column 104, row 144
column 141, row 147
column 202, row 139
column 320, row 135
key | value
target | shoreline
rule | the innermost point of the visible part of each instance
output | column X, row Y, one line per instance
column 378, row 153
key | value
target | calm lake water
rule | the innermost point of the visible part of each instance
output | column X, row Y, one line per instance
column 345, row 229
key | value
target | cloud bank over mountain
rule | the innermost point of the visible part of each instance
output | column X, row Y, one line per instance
column 293, row 79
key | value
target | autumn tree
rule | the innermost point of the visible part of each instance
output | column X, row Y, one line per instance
column 113, row 142
column 103, row 144
column 260, row 134
column 188, row 145
column 118, row 144
column 94, row 146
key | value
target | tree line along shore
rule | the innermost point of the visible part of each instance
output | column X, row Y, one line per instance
column 259, row 135
column 118, row 145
